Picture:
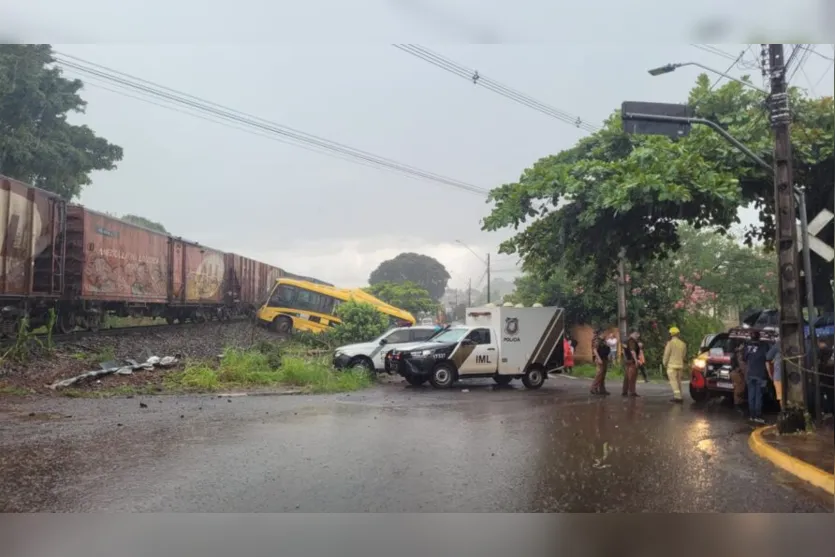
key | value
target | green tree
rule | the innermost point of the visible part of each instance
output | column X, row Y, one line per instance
column 405, row 295
column 613, row 191
column 709, row 272
column 37, row 144
column 361, row 322
column 423, row 270
column 147, row 223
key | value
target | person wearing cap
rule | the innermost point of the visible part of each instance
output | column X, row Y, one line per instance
column 675, row 354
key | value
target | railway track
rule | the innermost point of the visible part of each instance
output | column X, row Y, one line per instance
column 119, row 331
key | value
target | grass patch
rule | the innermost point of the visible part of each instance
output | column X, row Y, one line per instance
column 266, row 367
column 10, row 390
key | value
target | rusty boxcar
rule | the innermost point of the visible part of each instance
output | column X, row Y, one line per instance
column 112, row 266
column 66, row 261
column 248, row 283
column 31, row 252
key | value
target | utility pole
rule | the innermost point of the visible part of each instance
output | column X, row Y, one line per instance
column 469, row 292
column 791, row 323
column 810, row 300
column 622, row 330
column 488, row 278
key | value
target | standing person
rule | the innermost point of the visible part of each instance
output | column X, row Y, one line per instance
column 738, row 377
column 631, row 355
column 600, row 356
column 675, row 355
column 757, row 376
column 775, row 371
column 568, row 354
column 642, row 363
column 612, row 343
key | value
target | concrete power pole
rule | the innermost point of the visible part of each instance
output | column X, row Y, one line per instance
column 622, row 325
column 791, row 322
column 488, row 278
column 469, row 293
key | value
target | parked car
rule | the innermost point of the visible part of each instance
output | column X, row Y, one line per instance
column 711, row 369
column 371, row 355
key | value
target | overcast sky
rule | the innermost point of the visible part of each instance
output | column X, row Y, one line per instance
column 333, row 219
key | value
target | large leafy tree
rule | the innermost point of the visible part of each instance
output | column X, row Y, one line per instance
column 423, row 270
column 405, row 295
column 709, row 272
column 611, row 191
column 37, row 144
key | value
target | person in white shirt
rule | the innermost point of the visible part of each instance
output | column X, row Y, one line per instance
column 612, row 343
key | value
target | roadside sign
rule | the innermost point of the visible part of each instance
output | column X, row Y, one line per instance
column 816, row 225
column 648, row 118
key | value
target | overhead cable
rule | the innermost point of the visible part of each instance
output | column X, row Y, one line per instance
column 478, row 79
column 216, row 111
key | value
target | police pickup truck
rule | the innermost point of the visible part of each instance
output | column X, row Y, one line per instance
column 370, row 355
column 504, row 343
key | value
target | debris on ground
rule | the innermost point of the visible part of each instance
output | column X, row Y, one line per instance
column 71, row 359
column 125, row 367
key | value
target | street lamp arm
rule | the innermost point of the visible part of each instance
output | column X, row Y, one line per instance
column 716, row 127
column 672, row 67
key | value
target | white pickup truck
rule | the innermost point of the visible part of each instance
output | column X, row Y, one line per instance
column 371, row 355
column 504, row 343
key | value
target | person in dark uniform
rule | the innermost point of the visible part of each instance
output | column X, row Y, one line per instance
column 631, row 357
column 757, row 375
column 600, row 356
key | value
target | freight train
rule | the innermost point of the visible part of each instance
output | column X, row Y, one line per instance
column 64, row 264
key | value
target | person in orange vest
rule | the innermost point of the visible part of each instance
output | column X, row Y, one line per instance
column 568, row 354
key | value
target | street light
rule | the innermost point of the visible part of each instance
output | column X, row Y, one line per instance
column 483, row 261
column 669, row 68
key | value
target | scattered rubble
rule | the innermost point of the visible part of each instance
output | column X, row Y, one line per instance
column 95, row 357
column 126, row 367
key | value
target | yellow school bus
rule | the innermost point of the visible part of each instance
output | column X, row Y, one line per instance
column 306, row 306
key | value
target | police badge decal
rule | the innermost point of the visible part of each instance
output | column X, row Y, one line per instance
column 511, row 325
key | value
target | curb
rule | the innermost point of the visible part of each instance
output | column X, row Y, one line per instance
column 803, row 470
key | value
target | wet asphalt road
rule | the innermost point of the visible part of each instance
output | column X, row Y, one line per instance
column 390, row 449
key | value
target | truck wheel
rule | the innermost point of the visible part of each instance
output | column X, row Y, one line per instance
column 363, row 363
column 283, row 325
column 443, row 376
column 699, row 395
column 503, row 380
column 534, row 378
column 414, row 380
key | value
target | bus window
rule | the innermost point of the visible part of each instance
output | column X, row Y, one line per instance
column 283, row 296
column 328, row 305
column 308, row 301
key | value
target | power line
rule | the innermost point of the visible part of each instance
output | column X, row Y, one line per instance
column 800, row 62
column 97, row 83
column 473, row 75
column 821, row 54
column 229, row 115
column 714, row 50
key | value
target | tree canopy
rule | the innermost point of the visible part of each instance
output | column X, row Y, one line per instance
column 710, row 273
column 405, row 295
column 614, row 191
column 423, row 270
column 147, row 223
column 37, row 144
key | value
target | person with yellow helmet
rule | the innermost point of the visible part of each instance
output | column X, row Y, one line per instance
column 675, row 355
